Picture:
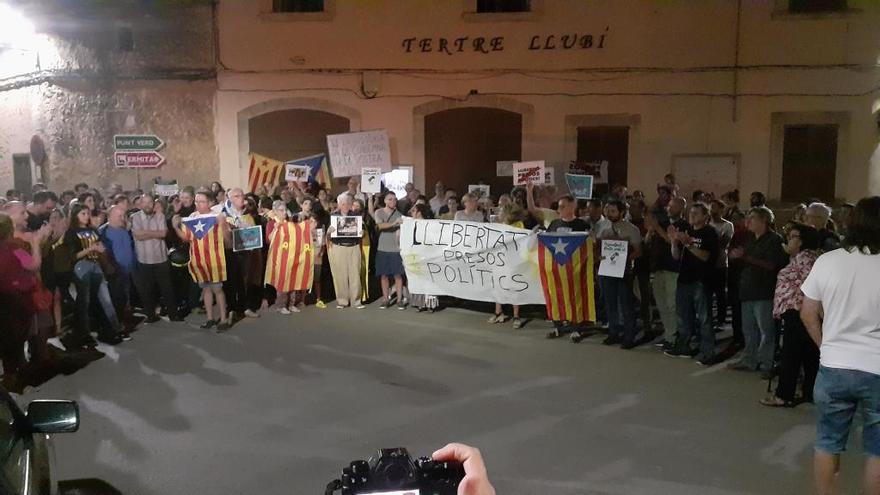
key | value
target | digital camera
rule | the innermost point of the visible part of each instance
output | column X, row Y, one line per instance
column 394, row 472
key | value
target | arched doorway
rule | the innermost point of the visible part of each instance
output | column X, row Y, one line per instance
column 462, row 146
column 293, row 133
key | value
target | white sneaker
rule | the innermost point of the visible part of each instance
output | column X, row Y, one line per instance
column 284, row 311
column 251, row 313
column 294, row 309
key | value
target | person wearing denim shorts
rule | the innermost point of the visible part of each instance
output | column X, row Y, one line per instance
column 841, row 311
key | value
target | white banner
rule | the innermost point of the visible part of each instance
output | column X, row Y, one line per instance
column 478, row 261
column 349, row 153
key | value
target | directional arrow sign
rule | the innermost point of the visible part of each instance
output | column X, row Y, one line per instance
column 145, row 142
column 138, row 159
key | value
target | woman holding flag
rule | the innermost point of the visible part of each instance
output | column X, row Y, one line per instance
column 289, row 267
column 207, row 234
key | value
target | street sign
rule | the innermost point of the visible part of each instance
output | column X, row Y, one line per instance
column 137, row 159
column 146, row 142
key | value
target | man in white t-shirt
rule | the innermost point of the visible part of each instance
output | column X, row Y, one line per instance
column 841, row 312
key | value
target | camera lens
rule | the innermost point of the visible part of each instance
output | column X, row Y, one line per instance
column 395, row 475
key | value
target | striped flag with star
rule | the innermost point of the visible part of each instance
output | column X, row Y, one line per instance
column 290, row 265
column 207, row 259
column 264, row 171
column 565, row 262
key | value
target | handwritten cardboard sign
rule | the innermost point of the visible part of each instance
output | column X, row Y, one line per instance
column 349, row 153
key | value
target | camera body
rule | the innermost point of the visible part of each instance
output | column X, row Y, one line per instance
column 394, row 472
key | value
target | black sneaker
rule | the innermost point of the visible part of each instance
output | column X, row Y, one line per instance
column 668, row 346
column 125, row 336
column 153, row 318
column 679, row 354
column 577, row 337
column 553, row 334
column 176, row 318
column 628, row 345
column 384, row 305
column 223, row 327
column 611, row 340
column 208, row 324
column 707, row 361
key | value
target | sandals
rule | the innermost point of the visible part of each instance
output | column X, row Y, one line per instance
column 497, row 318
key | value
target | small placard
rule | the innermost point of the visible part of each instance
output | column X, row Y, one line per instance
column 580, row 186
column 166, row 189
column 248, row 238
column 346, row 226
column 528, row 172
column 371, row 180
column 479, row 190
column 297, row 173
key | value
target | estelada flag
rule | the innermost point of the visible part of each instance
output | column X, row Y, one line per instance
column 565, row 262
column 290, row 265
column 207, row 260
column 264, row 170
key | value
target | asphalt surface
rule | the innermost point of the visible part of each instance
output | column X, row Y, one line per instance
column 279, row 405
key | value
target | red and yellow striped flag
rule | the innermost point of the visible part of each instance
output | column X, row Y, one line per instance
column 290, row 265
column 565, row 262
column 264, row 170
column 207, row 259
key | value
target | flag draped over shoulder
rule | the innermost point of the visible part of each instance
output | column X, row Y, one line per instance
column 290, row 265
column 207, row 259
column 565, row 262
column 319, row 172
column 264, row 171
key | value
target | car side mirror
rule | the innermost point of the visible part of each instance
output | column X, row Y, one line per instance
column 53, row 416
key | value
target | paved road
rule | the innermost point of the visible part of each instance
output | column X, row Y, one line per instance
column 279, row 405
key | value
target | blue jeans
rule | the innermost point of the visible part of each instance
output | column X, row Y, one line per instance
column 619, row 307
column 692, row 309
column 838, row 394
column 759, row 331
column 90, row 280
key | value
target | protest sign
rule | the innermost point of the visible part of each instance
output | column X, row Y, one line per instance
column 525, row 172
column 613, row 262
column 504, row 168
column 397, row 179
column 479, row 190
column 248, row 238
column 580, row 186
column 549, row 176
column 471, row 260
column 346, row 226
column 371, row 180
column 166, row 189
column 349, row 153
column 599, row 170
column 297, row 173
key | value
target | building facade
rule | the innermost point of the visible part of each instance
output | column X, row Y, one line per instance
column 779, row 96
column 771, row 95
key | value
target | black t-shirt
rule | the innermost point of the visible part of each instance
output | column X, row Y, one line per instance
column 660, row 251
column 693, row 269
column 576, row 225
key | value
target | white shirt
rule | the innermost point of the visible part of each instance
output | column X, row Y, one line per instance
column 436, row 203
column 725, row 234
column 848, row 285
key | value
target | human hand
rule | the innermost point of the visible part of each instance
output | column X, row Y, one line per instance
column 476, row 480
column 98, row 247
column 736, row 253
column 175, row 221
column 44, row 233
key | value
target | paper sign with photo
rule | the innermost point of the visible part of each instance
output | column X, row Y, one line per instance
column 247, row 238
column 613, row 262
column 504, row 168
column 549, row 176
column 525, row 172
column 371, row 180
column 297, row 173
column 580, row 186
column 479, row 190
column 346, row 226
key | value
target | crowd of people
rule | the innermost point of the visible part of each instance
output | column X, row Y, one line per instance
column 87, row 262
